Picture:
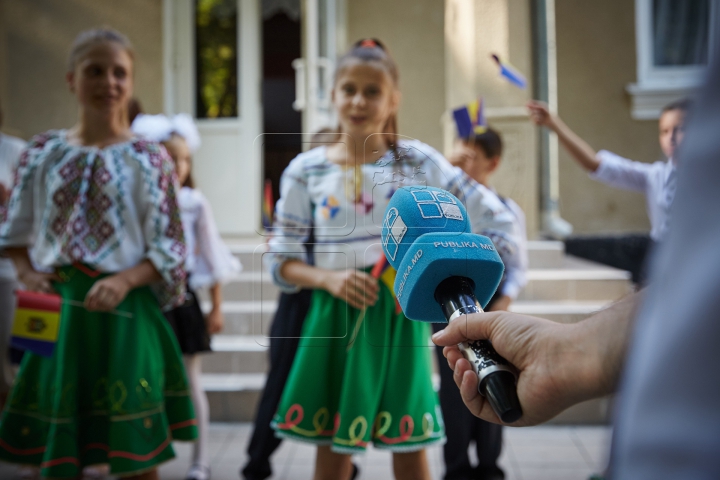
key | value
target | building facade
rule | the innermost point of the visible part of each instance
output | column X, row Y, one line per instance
column 257, row 74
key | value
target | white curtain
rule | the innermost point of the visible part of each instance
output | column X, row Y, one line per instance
column 681, row 32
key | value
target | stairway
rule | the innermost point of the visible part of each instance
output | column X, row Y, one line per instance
column 560, row 288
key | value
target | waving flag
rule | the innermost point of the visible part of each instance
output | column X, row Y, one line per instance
column 510, row 73
column 386, row 274
column 37, row 322
column 470, row 118
column 267, row 205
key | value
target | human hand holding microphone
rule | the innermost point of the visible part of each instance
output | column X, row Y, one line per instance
column 445, row 273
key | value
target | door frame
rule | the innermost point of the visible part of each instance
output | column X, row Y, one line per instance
column 214, row 160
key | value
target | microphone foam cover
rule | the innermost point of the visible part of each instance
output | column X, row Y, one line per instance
column 436, row 256
column 416, row 210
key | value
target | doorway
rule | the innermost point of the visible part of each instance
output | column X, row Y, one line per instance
column 282, row 124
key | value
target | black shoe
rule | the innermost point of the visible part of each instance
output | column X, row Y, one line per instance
column 253, row 472
column 492, row 473
column 355, row 472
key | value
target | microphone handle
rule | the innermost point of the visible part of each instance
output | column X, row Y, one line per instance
column 496, row 376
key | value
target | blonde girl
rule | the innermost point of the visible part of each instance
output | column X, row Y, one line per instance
column 93, row 217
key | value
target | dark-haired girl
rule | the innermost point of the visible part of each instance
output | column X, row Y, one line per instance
column 362, row 373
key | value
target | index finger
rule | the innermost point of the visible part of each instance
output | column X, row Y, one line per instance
column 475, row 326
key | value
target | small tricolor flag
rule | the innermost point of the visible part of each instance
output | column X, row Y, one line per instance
column 470, row 119
column 37, row 322
column 510, row 73
column 386, row 274
column 267, row 205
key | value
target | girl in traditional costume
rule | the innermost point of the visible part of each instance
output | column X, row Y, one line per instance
column 94, row 217
column 209, row 263
column 369, row 378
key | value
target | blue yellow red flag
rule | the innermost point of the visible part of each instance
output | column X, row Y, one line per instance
column 383, row 271
column 470, row 118
column 37, row 322
column 267, row 205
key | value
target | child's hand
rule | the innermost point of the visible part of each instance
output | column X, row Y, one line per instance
column 107, row 293
column 461, row 155
column 357, row 288
column 215, row 321
column 38, row 281
column 540, row 114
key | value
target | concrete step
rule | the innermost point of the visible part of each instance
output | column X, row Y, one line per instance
column 237, row 354
column 246, row 318
column 545, row 253
column 233, row 397
column 255, row 318
column 593, row 283
column 576, row 284
column 541, row 254
column 242, row 352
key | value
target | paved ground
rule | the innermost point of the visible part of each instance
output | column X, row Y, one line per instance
column 538, row 453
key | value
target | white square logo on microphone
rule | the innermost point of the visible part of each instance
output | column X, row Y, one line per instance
column 434, row 204
column 396, row 231
column 451, row 211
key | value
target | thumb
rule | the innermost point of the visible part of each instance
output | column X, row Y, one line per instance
column 476, row 326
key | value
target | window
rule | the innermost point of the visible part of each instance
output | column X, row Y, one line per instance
column 674, row 41
column 216, row 59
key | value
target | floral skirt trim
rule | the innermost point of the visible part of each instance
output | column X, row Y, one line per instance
column 114, row 390
column 357, row 432
column 361, row 377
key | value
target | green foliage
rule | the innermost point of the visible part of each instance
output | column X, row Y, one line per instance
column 216, row 43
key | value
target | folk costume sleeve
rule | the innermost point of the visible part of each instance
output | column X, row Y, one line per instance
column 293, row 221
column 17, row 217
column 162, row 225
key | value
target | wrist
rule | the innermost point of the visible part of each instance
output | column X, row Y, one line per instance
column 583, row 375
column 324, row 280
column 125, row 279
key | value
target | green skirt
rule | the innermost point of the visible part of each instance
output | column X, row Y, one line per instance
column 114, row 390
column 360, row 378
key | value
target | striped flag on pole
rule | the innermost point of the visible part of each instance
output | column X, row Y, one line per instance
column 37, row 322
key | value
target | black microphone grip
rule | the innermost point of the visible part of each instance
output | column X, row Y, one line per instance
column 496, row 377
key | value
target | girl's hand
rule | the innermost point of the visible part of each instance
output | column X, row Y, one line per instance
column 35, row 281
column 540, row 114
column 107, row 293
column 355, row 287
column 215, row 321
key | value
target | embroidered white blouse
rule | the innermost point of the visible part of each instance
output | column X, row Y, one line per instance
column 209, row 261
column 10, row 150
column 345, row 207
column 109, row 208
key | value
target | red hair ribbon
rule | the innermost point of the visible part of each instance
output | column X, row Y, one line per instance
column 368, row 43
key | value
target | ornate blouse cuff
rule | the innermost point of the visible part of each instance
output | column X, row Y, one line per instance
column 278, row 279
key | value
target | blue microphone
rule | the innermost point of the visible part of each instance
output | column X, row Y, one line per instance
column 426, row 238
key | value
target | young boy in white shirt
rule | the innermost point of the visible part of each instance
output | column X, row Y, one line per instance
column 656, row 180
column 479, row 156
